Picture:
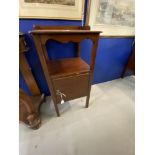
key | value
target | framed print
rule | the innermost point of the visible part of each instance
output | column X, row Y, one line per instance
column 113, row 17
column 52, row 9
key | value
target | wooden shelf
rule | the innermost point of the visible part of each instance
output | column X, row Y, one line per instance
column 67, row 66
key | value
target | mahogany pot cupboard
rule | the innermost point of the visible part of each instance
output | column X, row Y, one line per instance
column 67, row 78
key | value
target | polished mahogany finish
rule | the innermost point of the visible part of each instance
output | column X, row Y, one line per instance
column 67, row 78
column 67, row 66
column 28, row 105
column 29, row 109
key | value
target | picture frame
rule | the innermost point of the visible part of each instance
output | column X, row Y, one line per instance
column 51, row 9
column 112, row 17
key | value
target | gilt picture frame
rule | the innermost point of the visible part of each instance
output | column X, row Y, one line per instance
column 51, row 9
column 112, row 17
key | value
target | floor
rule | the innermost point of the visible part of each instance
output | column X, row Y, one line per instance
column 105, row 128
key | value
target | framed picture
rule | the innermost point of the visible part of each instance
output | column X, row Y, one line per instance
column 52, row 9
column 112, row 17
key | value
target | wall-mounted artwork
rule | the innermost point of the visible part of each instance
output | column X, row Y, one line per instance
column 52, row 9
column 113, row 17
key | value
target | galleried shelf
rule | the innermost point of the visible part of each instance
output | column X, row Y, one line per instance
column 67, row 78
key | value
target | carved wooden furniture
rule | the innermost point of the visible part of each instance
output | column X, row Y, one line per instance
column 131, row 63
column 67, row 78
column 28, row 105
column 29, row 109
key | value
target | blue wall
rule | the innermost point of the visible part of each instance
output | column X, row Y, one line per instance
column 112, row 54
